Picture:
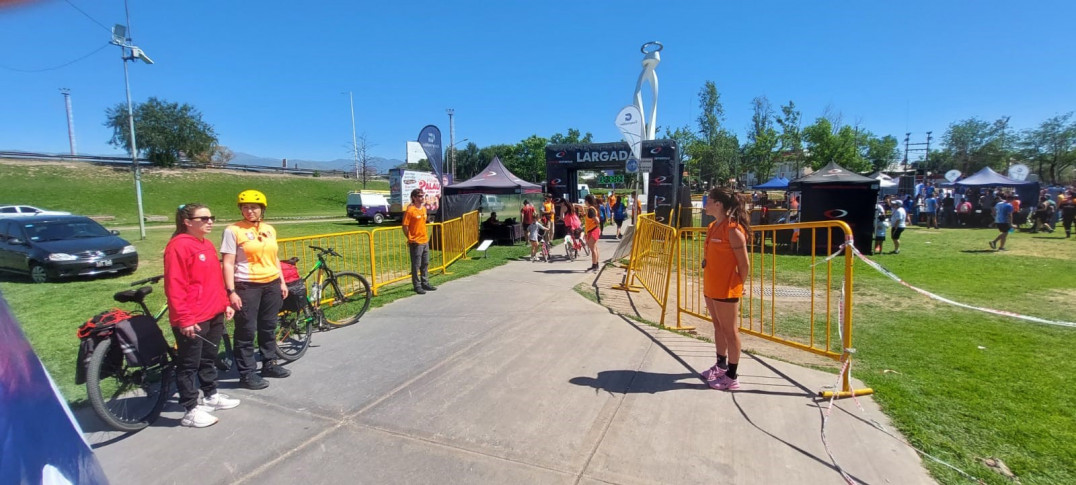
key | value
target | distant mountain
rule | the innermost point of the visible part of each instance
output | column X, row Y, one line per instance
column 382, row 164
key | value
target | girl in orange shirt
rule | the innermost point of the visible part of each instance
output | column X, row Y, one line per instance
column 725, row 267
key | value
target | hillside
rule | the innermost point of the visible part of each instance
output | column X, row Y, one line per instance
column 84, row 188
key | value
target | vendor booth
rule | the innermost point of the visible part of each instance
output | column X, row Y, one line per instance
column 1028, row 192
column 833, row 193
column 494, row 180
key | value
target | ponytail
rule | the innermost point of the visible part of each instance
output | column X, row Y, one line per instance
column 735, row 206
column 184, row 212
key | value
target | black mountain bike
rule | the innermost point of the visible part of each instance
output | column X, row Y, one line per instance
column 126, row 397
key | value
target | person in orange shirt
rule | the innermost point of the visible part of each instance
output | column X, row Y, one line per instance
column 725, row 267
column 547, row 208
column 414, row 227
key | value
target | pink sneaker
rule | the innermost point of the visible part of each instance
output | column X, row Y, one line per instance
column 724, row 383
column 713, row 373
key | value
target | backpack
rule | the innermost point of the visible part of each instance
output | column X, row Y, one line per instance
column 141, row 341
column 90, row 333
column 289, row 272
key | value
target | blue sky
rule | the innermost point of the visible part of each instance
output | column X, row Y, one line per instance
column 272, row 76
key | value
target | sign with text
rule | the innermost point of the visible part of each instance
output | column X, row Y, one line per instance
column 646, row 166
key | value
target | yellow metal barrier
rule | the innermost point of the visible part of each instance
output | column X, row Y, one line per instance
column 381, row 254
column 653, row 250
column 800, row 301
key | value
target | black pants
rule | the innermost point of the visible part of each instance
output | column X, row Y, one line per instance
column 1067, row 218
column 198, row 357
column 420, row 264
column 261, row 304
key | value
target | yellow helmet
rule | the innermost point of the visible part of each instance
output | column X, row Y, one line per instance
column 252, row 197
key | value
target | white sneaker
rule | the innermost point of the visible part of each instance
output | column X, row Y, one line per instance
column 198, row 417
column 219, row 401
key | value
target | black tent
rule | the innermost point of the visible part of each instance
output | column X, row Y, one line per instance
column 835, row 193
column 495, row 179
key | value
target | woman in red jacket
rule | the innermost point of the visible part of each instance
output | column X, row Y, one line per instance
column 197, row 308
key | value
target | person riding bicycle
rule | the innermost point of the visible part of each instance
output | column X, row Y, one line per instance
column 572, row 224
column 197, row 309
column 252, row 278
column 545, row 232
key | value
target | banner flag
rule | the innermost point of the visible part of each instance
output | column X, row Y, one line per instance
column 430, row 139
column 630, row 123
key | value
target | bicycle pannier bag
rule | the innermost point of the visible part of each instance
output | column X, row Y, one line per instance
column 142, row 341
column 90, row 333
column 290, row 272
column 296, row 295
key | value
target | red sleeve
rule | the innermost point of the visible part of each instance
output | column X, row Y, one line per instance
column 176, row 282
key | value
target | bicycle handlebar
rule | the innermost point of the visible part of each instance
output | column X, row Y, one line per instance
column 150, row 280
column 328, row 251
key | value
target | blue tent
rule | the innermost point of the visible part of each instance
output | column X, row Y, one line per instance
column 1027, row 191
column 776, row 183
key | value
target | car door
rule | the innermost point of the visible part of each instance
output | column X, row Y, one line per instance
column 8, row 251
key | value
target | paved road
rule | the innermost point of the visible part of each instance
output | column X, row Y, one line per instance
column 511, row 377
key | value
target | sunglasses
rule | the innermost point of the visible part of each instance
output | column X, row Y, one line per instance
column 203, row 218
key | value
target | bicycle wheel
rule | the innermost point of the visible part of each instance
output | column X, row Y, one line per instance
column 572, row 252
column 293, row 333
column 126, row 398
column 346, row 300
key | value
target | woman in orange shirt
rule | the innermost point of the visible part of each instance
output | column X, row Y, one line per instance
column 725, row 267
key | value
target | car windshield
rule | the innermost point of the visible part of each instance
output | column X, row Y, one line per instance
column 60, row 230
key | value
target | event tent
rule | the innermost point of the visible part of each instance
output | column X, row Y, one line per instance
column 886, row 184
column 833, row 193
column 776, row 183
column 495, row 179
column 1027, row 191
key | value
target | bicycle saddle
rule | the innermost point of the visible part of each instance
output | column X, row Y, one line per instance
column 135, row 296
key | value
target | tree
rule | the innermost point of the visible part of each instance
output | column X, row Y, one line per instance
column 716, row 150
column 573, row 136
column 365, row 170
column 791, row 135
column 468, row 162
column 881, row 152
column 974, row 144
column 683, row 137
column 1051, row 147
column 762, row 140
column 529, row 161
column 165, row 131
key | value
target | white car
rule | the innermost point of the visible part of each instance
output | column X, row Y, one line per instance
column 27, row 210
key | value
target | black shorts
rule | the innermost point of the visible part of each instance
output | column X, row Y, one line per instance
column 726, row 300
column 1003, row 227
column 878, row 239
column 896, row 233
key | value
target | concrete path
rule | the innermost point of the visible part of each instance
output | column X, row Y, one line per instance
column 510, row 376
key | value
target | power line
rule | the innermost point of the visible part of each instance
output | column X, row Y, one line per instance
column 59, row 66
column 83, row 12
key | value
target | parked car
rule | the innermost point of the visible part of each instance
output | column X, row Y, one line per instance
column 490, row 203
column 365, row 207
column 49, row 248
column 27, row 210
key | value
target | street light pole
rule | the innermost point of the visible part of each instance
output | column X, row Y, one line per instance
column 120, row 38
column 70, row 120
column 451, row 143
column 354, row 140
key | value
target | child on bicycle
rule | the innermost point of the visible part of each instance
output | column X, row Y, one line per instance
column 197, row 308
column 545, row 234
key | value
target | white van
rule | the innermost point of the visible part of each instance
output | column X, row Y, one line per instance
column 490, row 203
column 365, row 207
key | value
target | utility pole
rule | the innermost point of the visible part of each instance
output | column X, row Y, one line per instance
column 354, row 140
column 907, row 136
column 451, row 143
column 70, row 120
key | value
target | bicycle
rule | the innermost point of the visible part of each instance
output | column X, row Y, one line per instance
column 573, row 242
column 544, row 245
column 335, row 299
column 124, row 396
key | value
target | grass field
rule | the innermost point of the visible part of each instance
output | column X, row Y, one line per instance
column 94, row 190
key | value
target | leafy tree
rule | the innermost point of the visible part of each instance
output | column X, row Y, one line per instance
column 762, row 140
column 573, row 136
column 716, row 150
column 165, row 131
column 974, row 144
column 881, row 152
column 791, row 135
column 468, row 162
column 1052, row 146
column 684, row 138
column 529, row 161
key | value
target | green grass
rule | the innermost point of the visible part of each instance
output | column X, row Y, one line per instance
column 110, row 191
column 50, row 313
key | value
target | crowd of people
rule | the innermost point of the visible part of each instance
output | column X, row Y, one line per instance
column 584, row 222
